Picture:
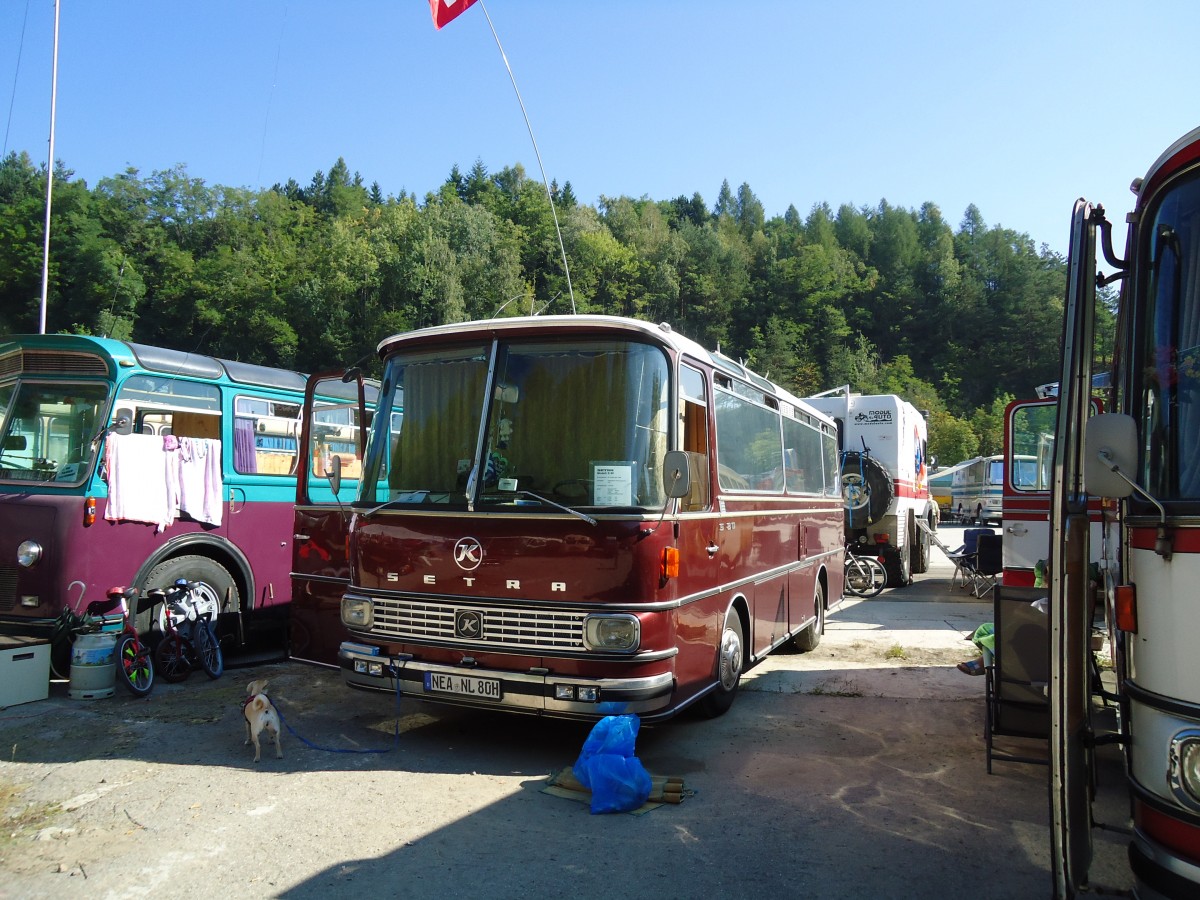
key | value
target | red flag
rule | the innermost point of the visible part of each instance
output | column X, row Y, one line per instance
column 445, row 11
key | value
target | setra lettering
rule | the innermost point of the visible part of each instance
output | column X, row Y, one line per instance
column 511, row 584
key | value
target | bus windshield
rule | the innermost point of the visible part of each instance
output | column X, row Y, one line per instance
column 1171, row 346
column 581, row 423
column 47, row 430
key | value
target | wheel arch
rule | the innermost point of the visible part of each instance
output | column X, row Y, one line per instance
column 218, row 550
column 741, row 605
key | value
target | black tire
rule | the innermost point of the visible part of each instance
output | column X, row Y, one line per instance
column 208, row 649
column 135, row 669
column 810, row 637
column 171, row 659
column 865, row 576
column 899, row 567
column 730, row 661
column 867, row 489
column 212, row 580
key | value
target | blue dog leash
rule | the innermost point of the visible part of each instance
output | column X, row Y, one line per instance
column 308, row 743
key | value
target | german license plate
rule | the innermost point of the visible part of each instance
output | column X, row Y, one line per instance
column 463, row 685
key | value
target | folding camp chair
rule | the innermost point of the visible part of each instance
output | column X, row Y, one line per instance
column 963, row 559
column 989, row 562
column 954, row 556
column 1017, row 679
column 967, row 562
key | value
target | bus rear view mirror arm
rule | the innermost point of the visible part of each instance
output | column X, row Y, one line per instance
column 120, row 425
column 334, row 474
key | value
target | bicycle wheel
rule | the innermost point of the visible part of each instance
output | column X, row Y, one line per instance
column 208, row 649
column 134, row 667
column 877, row 576
column 171, row 659
column 858, row 576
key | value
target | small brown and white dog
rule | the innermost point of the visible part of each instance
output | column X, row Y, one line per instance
column 260, row 716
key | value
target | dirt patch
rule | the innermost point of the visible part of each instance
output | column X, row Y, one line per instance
column 888, row 652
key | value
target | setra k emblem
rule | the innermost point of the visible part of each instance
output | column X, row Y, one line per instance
column 468, row 554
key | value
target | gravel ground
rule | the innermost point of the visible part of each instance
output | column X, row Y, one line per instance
column 856, row 770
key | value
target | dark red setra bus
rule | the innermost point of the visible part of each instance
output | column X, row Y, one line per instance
column 571, row 516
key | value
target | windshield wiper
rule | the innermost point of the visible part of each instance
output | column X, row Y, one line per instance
column 565, row 509
column 409, row 497
column 405, row 497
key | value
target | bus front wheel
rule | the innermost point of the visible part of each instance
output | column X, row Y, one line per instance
column 214, row 580
column 729, row 667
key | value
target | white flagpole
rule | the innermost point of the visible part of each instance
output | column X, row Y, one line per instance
column 49, row 180
column 545, row 181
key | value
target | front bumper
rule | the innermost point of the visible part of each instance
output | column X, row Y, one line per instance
column 1161, row 874
column 27, row 627
column 535, row 692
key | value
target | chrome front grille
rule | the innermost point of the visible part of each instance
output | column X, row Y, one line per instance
column 503, row 628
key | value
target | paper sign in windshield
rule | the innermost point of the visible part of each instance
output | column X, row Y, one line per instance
column 613, row 483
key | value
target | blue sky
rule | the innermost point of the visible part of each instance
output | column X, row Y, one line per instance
column 1017, row 107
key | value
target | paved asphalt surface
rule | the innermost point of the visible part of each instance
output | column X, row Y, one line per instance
column 856, row 770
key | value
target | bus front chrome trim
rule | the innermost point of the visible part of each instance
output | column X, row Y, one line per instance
column 530, row 692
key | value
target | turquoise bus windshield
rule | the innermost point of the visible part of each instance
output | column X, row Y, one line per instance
column 48, row 430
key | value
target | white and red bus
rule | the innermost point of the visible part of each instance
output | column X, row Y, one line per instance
column 573, row 516
column 883, row 442
column 1143, row 457
column 1027, row 476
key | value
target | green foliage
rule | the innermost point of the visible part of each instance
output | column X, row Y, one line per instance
column 988, row 423
column 879, row 297
column 951, row 439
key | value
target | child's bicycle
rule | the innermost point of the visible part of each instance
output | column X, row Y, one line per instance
column 132, row 656
column 189, row 637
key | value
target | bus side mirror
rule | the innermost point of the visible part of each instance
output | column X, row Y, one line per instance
column 677, row 473
column 15, row 442
column 123, row 421
column 335, row 474
column 1109, row 449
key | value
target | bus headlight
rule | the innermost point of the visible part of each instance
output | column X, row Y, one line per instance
column 1184, row 770
column 357, row 612
column 29, row 553
column 620, row 633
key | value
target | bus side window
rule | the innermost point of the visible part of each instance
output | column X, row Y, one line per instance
column 693, row 436
column 694, row 421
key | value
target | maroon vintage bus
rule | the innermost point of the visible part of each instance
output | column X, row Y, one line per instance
column 569, row 516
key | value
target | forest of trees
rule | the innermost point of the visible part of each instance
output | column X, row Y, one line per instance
column 885, row 299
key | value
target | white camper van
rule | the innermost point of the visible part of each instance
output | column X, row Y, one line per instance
column 883, row 444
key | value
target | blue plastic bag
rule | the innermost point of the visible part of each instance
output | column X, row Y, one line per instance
column 613, row 735
column 608, row 768
column 619, row 783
